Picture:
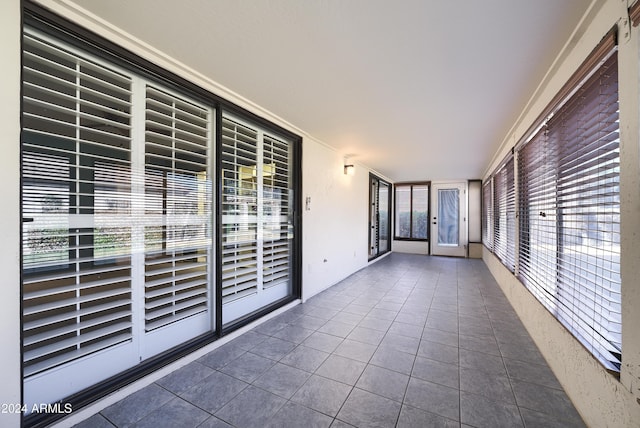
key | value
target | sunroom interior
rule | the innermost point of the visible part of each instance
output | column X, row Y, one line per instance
column 176, row 174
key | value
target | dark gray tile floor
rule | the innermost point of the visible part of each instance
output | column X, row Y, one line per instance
column 411, row 341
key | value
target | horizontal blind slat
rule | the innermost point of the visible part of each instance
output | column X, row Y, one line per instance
column 568, row 195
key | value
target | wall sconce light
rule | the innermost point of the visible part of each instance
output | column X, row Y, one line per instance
column 349, row 169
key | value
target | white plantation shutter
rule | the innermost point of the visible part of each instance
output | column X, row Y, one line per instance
column 239, row 210
column 257, row 218
column 177, row 208
column 277, row 211
column 76, row 182
column 117, row 206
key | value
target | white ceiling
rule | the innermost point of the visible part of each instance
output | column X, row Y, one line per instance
column 415, row 89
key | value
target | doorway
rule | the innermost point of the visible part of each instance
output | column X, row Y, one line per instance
column 379, row 221
column 449, row 219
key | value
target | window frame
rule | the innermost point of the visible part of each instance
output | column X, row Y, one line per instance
column 411, row 186
column 552, row 150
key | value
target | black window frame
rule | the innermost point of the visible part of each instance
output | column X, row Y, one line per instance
column 373, row 200
column 411, row 185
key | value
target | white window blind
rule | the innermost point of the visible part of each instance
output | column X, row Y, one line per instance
column 487, row 213
column 420, row 212
column 504, row 215
column 538, row 230
column 411, row 211
column 177, row 208
column 76, row 158
column 569, row 212
column 403, row 211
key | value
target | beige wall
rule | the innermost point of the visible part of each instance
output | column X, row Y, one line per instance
column 10, row 379
column 412, row 247
column 601, row 399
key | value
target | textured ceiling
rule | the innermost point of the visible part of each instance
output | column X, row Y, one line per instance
column 415, row 89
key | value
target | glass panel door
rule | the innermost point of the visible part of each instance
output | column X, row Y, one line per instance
column 257, row 219
column 177, row 228
column 449, row 215
column 373, row 219
column 383, row 212
column 379, row 220
column 116, row 204
column 448, row 224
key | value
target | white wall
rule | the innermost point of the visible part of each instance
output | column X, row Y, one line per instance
column 10, row 379
column 335, row 239
column 601, row 399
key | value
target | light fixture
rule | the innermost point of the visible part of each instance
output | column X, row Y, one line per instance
column 349, row 169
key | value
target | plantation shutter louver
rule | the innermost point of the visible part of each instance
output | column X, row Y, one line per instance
column 239, row 210
column 256, row 249
column 277, row 211
column 76, row 181
column 504, row 215
column 177, row 208
column 570, row 211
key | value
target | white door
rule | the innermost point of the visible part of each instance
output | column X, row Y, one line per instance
column 449, row 219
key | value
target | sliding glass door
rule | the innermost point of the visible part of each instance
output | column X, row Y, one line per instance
column 117, row 219
column 122, row 267
column 257, row 218
column 379, row 219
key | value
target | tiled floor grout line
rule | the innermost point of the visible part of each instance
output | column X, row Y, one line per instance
column 459, row 291
column 368, row 362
